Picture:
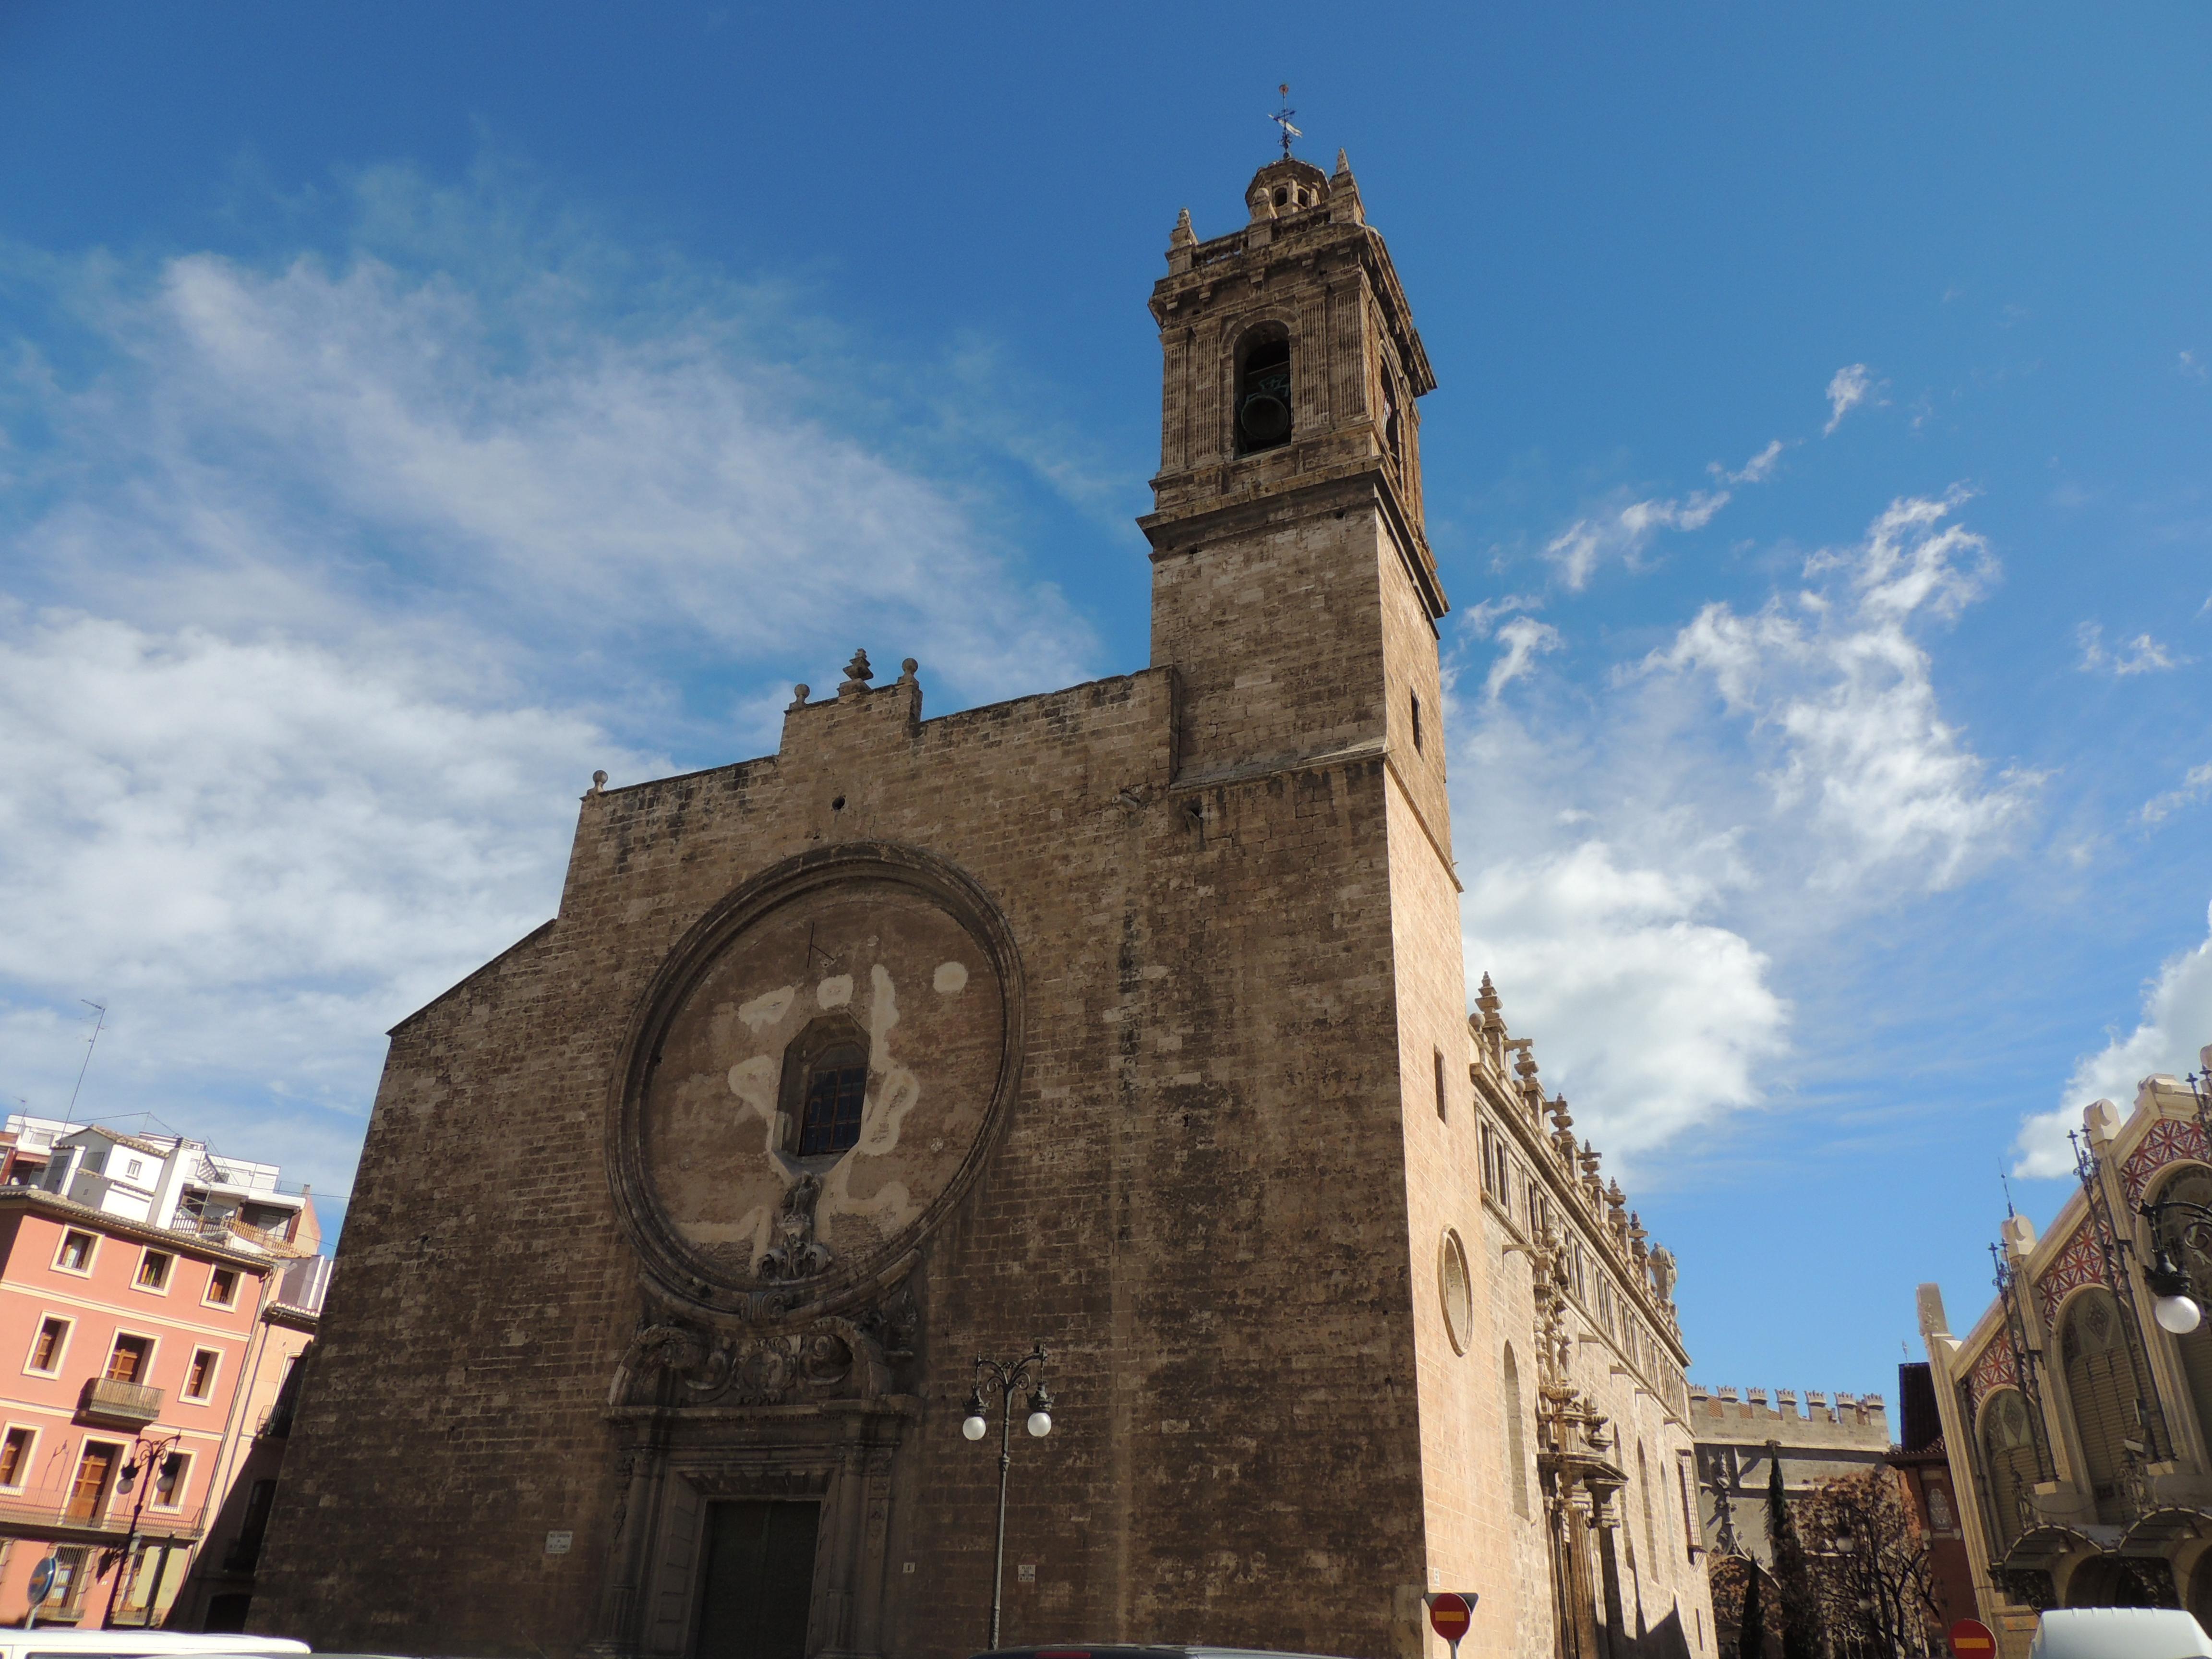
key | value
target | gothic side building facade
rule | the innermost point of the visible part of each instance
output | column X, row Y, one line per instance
column 1129, row 1019
column 2078, row 1429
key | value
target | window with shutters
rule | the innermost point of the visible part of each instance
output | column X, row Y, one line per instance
column 131, row 1359
column 2008, row 1454
column 15, row 1457
column 2100, row 1386
column 2192, row 1249
column 50, row 1345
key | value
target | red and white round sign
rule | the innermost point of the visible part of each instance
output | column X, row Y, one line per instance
column 1449, row 1616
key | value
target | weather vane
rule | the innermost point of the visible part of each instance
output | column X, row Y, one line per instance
column 1281, row 118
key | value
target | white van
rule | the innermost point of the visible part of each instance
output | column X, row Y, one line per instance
column 63, row 1642
column 2119, row 1633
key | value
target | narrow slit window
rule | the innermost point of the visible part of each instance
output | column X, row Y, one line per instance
column 1443, row 1112
column 1416, row 721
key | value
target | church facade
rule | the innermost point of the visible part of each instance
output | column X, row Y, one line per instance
column 1129, row 1020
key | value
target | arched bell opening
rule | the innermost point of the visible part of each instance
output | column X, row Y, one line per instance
column 1263, row 389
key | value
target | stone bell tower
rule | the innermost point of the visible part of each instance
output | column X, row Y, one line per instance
column 1294, row 587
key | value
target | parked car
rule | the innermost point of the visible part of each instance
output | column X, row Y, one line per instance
column 62, row 1642
column 2119, row 1633
column 1137, row 1650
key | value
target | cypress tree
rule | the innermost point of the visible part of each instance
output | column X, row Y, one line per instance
column 1751, row 1637
column 1793, row 1577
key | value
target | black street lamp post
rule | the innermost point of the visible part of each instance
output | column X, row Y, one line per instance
column 1009, row 1379
column 2175, row 1309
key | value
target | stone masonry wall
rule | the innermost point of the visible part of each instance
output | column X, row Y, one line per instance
column 1193, row 1206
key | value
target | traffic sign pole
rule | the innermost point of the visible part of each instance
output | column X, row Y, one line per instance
column 42, row 1586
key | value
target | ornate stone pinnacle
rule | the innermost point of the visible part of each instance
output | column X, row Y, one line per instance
column 858, row 669
column 1183, row 235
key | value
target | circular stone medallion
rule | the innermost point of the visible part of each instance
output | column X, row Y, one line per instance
column 815, row 1080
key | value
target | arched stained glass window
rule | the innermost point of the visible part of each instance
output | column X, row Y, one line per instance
column 2008, row 1454
column 2101, row 1386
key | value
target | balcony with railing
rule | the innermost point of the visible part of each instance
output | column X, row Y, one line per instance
column 45, row 1510
column 131, row 1405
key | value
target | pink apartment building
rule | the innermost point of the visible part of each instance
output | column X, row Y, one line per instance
column 153, row 1299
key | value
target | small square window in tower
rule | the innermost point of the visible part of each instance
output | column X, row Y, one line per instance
column 1263, row 397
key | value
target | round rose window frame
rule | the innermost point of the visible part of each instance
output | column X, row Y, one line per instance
column 667, row 1257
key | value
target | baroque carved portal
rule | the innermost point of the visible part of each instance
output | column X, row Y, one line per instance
column 812, row 1081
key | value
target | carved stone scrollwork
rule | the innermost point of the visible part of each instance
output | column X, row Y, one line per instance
column 677, row 1362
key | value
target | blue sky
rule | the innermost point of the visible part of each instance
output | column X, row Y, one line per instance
column 406, row 410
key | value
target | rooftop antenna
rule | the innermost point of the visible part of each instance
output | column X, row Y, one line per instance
column 100, row 1009
column 1281, row 118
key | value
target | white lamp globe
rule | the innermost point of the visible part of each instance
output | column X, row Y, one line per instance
column 2177, row 1314
column 975, row 1427
column 1040, row 1424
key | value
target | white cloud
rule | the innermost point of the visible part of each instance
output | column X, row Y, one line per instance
column 2192, row 365
column 1480, row 619
column 1759, row 468
column 1847, row 389
column 2176, row 1024
column 1624, row 532
column 2140, row 655
column 2196, row 784
column 1841, row 696
column 259, row 855
column 588, row 478
column 1523, row 638
column 329, row 582
column 1648, row 1017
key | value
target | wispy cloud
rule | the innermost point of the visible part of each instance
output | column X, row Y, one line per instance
column 2196, row 785
column 330, row 579
column 1759, row 468
column 1848, row 388
column 2176, row 1018
column 1780, row 773
column 1625, row 532
column 1841, row 692
column 2194, row 367
column 2140, row 655
column 1524, row 639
